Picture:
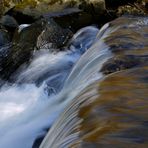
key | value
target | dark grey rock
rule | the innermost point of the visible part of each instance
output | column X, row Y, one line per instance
column 4, row 37
column 9, row 21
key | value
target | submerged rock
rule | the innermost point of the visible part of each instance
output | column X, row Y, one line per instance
column 68, row 13
column 114, row 4
column 72, row 18
column 20, row 17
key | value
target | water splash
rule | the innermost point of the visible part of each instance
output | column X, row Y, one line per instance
column 27, row 109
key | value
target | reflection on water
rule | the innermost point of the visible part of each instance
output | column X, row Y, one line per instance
column 113, row 112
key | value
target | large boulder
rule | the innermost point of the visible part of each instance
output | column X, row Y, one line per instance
column 26, row 41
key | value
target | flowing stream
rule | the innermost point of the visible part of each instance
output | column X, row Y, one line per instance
column 107, row 111
column 32, row 104
column 51, row 83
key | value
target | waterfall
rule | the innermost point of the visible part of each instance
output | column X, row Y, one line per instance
column 30, row 105
column 48, row 90
column 85, row 72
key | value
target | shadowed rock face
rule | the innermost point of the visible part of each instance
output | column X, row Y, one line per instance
column 4, row 37
column 118, row 114
column 39, row 7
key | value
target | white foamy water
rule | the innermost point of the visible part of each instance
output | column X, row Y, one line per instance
column 27, row 110
column 22, row 26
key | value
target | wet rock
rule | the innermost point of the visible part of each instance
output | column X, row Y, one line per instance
column 4, row 37
column 8, row 21
column 73, row 14
column 130, row 7
column 53, row 36
column 30, row 34
column 114, row 4
column 130, row 10
column 20, row 17
column 93, row 6
column 38, row 35
column 20, row 51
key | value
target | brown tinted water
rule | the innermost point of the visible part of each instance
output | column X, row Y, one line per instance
column 113, row 112
column 118, row 116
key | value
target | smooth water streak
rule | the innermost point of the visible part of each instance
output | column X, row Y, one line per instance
column 27, row 109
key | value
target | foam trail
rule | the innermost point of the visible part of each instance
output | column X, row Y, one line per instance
column 27, row 110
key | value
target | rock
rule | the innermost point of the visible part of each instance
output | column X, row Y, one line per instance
column 73, row 14
column 72, row 18
column 37, row 35
column 53, row 35
column 93, row 6
column 8, row 21
column 20, row 51
column 126, row 7
column 32, row 31
column 114, row 4
column 37, row 8
column 130, row 10
column 20, row 17
column 4, row 37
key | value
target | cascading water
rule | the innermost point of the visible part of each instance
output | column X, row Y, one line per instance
column 106, row 111
column 28, row 110
column 53, row 82
column 85, row 72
